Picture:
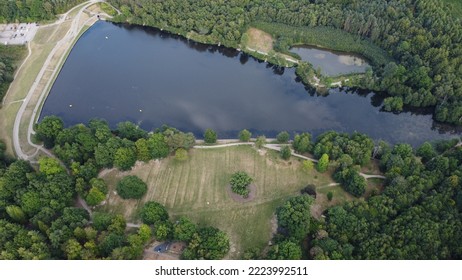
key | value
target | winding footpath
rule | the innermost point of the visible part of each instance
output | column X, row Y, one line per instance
column 66, row 42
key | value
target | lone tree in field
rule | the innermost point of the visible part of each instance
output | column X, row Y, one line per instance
column 244, row 135
column 153, row 213
column 323, row 163
column 260, row 142
column 210, row 136
column 131, row 187
column 239, row 183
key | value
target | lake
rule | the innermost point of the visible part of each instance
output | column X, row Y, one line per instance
column 331, row 63
column 149, row 77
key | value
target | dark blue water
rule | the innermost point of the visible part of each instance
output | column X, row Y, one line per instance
column 152, row 78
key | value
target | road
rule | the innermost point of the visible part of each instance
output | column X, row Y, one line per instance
column 66, row 41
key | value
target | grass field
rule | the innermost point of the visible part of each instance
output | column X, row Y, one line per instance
column 258, row 40
column 196, row 188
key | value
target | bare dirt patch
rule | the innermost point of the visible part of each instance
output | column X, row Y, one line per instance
column 259, row 40
column 239, row 198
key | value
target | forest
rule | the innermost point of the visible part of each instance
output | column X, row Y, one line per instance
column 416, row 216
column 422, row 36
column 33, row 10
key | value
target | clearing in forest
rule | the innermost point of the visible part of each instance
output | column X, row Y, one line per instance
column 258, row 40
column 197, row 188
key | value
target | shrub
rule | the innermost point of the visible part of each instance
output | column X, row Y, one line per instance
column 323, row 163
column 330, row 195
column 283, row 137
column 181, row 154
column 131, row 187
column 260, row 142
column 245, row 135
column 285, row 152
column 239, row 183
column 210, row 136
column 153, row 213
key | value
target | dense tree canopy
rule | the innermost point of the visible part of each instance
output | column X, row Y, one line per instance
column 153, row 213
column 131, row 187
column 207, row 243
column 33, row 10
column 240, row 182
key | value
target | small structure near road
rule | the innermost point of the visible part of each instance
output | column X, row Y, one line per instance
column 17, row 33
column 164, row 251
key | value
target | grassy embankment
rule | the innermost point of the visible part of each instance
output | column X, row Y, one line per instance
column 41, row 47
column 196, row 188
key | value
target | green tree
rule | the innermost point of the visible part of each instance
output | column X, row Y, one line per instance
column 142, row 150
column 323, row 163
column 207, row 243
column 286, row 250
column 130, row 131
column 100, row 129
column 294, row 217
column 330, row 195
column 184, row 229
column 125, row 158
column 16, row 214
column 210, row 136
column 153, row 213
column 245, row 135
column 181, row 154
column 163, row 231
column 131, row 187
column 50, row 166
column 158, row 146
column 239, row 183
column 283, row 137
column 95, row 197
column 260, row 142
column 307, row 165
column 48, row 129
column 286, row 152
column 302, row 143
column 101, row 220
column 426, row 151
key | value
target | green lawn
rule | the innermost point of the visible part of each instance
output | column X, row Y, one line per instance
column 196, row 188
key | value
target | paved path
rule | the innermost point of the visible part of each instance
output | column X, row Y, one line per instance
column 67, row 41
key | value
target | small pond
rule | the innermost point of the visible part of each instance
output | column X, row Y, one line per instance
column 331, row 63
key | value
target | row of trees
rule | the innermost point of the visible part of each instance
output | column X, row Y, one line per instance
column 85, row 150
column 422, row 37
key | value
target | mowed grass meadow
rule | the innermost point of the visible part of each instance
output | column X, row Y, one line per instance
column 197, row 188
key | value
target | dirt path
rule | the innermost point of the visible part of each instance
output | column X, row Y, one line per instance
column 277, row 147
